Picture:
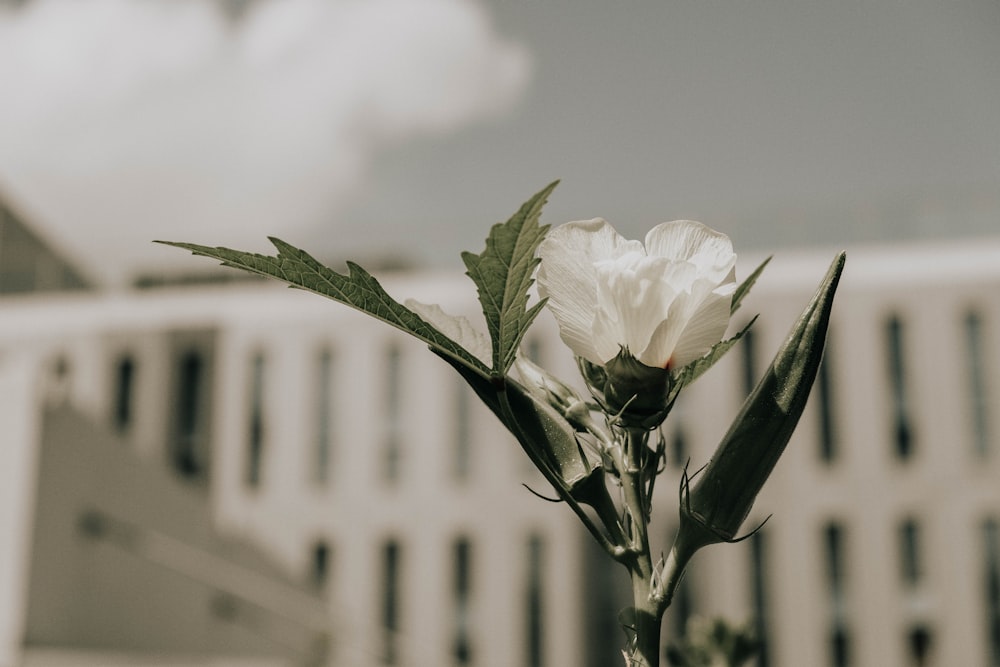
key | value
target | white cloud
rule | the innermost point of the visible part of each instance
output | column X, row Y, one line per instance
column 127, row 120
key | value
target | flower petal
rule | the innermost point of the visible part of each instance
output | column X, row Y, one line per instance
column 711, row 251
column 633, row 299
column 706, row 327
column 658, row 349
column 567, row 276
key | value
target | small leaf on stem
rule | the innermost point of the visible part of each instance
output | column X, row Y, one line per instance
column 745, row 286
column 503, row 274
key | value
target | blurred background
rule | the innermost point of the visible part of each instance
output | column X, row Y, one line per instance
column 204, row 469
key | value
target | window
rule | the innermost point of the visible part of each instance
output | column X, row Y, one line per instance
column 759, row 594
column 978, row 389
column 392, row 451
column 833, row 541
column 919, row 642
column 824, row 398
column 991, row 588
column 320, row 565
column 256, row 426
column 902, row 427
column 461, row 463
column 324, row 418
column 601, row 632
column 909, row 552
column 678, row 444
column 390, row 604
column 535, row 607
column 124, row 390
column 187, row 455
column 839, row 646
column 462, row 592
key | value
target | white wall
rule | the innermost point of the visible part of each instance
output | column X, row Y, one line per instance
column 945, row 485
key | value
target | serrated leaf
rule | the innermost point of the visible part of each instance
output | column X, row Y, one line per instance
column 504, row 272
column 357, row 289
column 745, row 286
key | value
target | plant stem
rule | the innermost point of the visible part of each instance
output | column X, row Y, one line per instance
column 645, row 651
column 645, row 648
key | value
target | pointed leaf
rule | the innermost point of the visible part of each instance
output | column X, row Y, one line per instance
column 745, row 286
column 503, row 274
column 357, row 289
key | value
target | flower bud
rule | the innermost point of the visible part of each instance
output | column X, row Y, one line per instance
column 557, row 393
column 636, row 393
column 724, row 493
column 544, row 434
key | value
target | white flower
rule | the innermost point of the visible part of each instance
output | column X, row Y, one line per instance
column 666, row 303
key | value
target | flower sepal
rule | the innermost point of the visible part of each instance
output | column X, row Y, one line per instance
column 636, row 395
column 639, row 395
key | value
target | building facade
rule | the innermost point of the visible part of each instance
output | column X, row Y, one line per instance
column 361, row 464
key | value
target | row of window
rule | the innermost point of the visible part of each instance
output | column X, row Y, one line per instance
column 918, row 636
column 392, row 589
column 189, row 449
column 902, row 435
column 188, row 419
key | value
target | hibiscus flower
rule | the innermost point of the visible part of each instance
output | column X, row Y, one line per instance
column 665, row 303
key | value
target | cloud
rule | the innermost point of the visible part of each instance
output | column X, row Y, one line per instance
column 127, row 120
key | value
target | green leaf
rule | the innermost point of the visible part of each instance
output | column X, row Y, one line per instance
column 745, row 286
column 503, row 274
column 357, row 289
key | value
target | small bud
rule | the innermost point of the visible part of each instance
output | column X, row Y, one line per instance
column 551, row 443
column 544, row 434
column 724, row 493
column 557, row 393
column 637, row 393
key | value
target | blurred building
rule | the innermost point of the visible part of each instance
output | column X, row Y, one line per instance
column 29, row 263
column 152, row 437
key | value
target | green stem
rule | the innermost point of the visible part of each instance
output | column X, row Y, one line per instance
column 673, row 569
column 645, row 649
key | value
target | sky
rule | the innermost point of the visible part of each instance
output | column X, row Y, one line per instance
column 375, row 129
